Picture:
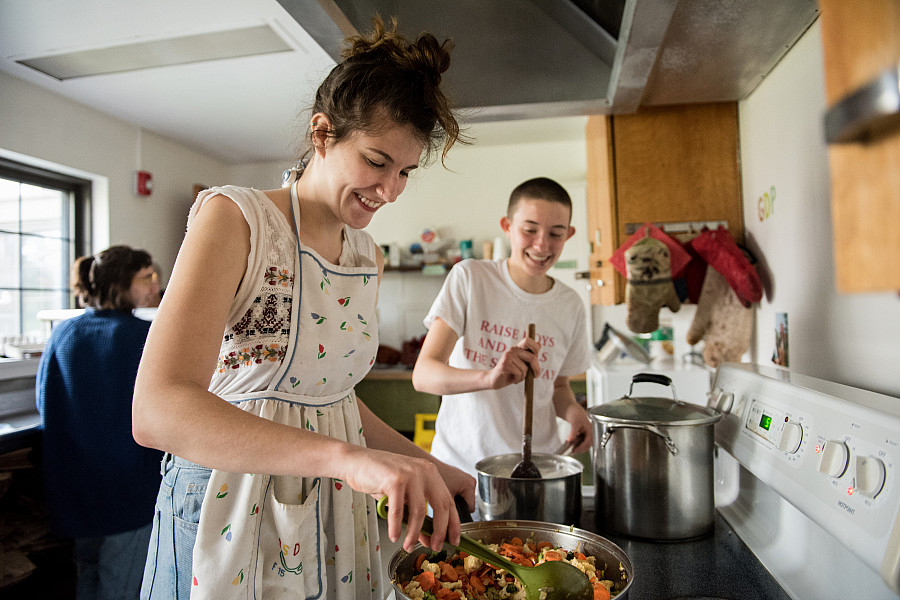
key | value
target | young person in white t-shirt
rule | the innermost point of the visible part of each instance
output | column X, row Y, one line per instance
column 477, row 351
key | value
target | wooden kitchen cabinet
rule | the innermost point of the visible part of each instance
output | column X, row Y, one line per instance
column 860, row 41
column 674, row 164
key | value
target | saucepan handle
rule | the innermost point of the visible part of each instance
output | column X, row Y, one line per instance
column 611, row 429
column 463, row 509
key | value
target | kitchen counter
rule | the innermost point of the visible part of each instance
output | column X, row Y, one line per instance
column 20, row 423
column 19, row 431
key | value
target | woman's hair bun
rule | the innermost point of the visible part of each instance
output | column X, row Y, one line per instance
column 385, row 74
column 424, row 54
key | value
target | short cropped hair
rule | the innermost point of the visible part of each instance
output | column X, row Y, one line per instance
column 539, row 188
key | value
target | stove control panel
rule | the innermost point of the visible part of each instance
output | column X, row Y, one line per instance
column 830, row 450
column 778, row 428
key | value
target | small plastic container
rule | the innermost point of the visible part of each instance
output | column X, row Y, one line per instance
column 423, row 434
column 465, row 249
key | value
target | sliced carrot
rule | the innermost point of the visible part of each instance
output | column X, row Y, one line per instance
column 516, row 548
column 419, row 560
column 448, row 572
column 519, row 559
column 551, row 555
column 427, row 581
column 542, row 545
column 516, row 541
column 580, row 556
column 600, row 592
column 476, row 584
column 445, row 593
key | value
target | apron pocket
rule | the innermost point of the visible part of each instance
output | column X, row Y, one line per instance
column 291, row 544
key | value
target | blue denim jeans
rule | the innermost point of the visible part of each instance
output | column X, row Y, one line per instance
column 167, row 574
column 110, row 567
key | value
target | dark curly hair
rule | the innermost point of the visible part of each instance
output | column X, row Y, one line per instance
column 385, row 75
column 103, row 280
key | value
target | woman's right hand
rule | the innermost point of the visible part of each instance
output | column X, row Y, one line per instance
column 414, row 483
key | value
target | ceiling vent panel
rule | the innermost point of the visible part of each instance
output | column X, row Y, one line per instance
column 218, row 45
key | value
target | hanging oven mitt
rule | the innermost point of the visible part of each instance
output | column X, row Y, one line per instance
column 721, row 321
column 720, row 252
column 649, row 287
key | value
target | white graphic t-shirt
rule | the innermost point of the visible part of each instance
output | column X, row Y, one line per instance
column 490, row 313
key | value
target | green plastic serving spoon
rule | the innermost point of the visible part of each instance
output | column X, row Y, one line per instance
column 552, row 580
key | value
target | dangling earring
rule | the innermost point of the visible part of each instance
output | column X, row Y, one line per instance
column 289, row 176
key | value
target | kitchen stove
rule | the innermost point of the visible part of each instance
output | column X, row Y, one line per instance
column 807, row 477
column 807, row 496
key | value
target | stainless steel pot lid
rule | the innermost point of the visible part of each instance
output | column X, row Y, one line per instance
column 656, row 411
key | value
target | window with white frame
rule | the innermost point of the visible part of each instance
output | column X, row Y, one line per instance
column 42, row 230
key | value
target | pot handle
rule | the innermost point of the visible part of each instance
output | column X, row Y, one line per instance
column 611, row 429
column 462, row 509
column 657, row 378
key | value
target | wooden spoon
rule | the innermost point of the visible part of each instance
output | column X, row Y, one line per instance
column 526, row 469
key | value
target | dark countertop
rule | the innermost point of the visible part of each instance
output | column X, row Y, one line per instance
column 718, row 565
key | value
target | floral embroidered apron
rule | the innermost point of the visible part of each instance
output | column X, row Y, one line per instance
column 276, row 537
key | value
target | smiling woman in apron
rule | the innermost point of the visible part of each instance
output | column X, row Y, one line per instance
column 272, row 461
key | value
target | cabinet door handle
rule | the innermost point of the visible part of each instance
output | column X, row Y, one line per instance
column 868, row 112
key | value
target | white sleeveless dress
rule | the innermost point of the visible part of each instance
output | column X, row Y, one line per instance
column 301, row 334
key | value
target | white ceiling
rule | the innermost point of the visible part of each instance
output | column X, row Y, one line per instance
column 240, row 110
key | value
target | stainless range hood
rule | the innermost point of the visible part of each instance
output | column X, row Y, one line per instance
column 516, row 59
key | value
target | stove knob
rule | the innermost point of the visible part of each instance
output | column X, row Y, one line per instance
column 869, row 475
column 835, row 456
column 712, row 397
column 791, row 436
column 726, row 401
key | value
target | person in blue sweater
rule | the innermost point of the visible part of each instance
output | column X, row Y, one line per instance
column 100, row 485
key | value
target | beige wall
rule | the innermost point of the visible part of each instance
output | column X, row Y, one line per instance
column 849, row 338
column 48, row 130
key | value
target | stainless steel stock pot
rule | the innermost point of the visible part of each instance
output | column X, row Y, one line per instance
column 653, row 465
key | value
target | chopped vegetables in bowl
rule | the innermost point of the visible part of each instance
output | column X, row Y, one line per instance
column 452, row 574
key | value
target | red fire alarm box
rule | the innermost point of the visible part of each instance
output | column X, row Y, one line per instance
column 143, row 183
